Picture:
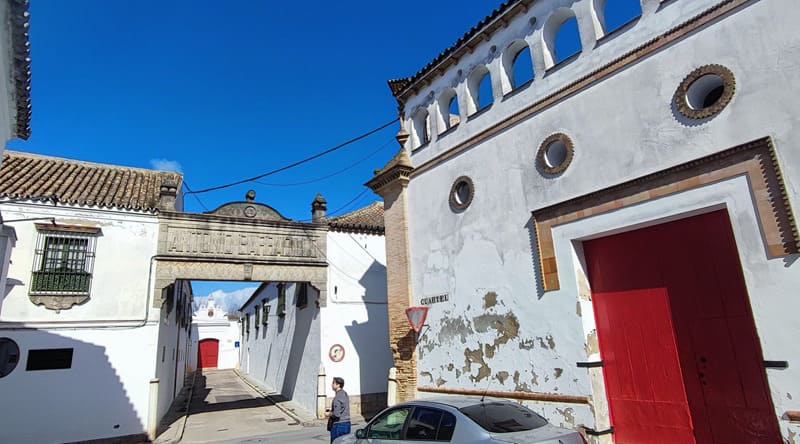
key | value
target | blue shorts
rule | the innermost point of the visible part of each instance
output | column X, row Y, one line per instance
column 340, row 428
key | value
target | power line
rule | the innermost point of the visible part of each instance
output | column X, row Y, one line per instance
column 319, row 179
column 299, row 162
column 189, row 191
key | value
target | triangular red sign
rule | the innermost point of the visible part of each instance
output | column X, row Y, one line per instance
column 416, row 317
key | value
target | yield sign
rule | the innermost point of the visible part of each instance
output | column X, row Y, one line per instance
column 416, row 317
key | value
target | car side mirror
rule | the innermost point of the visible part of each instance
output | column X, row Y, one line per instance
column 361, row 433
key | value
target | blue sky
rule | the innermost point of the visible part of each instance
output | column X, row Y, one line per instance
column 228, row 90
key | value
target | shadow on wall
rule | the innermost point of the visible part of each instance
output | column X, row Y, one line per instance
column 82, row 399
column 302, row 328
column 371, row 339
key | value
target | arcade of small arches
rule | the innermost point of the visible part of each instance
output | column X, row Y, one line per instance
column 516, row 70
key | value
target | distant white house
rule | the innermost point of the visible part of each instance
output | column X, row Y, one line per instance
column 84, row 353
column 289, row 339
column 215, row 337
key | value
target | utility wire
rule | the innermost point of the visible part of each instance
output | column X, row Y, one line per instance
column 189, row 191
column 319, row 179
column 299, row 162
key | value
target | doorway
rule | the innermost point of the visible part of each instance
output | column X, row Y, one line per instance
column 208, row 353
column 682, row 361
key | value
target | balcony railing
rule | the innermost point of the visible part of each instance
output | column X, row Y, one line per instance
column 50, row 281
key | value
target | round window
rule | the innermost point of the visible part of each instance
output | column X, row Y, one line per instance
column 9, row 356
column 705, row 92
column 555, row 154
column 461, row 193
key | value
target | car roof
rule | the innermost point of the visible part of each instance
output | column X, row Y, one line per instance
column 457, row 401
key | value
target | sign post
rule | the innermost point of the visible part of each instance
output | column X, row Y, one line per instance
column 416, row 317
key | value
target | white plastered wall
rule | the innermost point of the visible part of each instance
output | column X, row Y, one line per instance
column 623, row 127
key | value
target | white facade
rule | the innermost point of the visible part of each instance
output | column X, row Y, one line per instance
column 623, row 127
column 120, row 345
column 211, row 322
column 347, row 337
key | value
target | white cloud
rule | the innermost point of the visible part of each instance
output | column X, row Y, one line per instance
column 230, row 302
column 166, row 165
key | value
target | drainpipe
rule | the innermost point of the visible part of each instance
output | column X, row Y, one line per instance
column 152, row 417
column 321, row 399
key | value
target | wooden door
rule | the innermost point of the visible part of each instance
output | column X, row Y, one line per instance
column 207, row 353
column 677, row 335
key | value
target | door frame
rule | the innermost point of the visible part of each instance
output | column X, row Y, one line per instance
column 732, row 194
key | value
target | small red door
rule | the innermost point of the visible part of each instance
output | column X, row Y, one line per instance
column 682, row 359
column 207, row 353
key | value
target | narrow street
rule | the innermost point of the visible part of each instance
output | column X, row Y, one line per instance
column 224, row 408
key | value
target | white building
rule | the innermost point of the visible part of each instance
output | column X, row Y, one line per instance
column 84, row 353
column 288, row 338
column 15, row 99
column 215, row 337
column 612, row 242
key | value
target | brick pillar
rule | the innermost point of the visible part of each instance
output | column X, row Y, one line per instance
column 391, row 184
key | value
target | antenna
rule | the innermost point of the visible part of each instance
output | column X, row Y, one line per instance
column 487, row 388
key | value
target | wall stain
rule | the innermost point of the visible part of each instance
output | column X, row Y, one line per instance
column 551, row 343
column 502, row 376
column 454, row 328
column 490, row 351
column 591, row 343
column 458, row 373
column 507, row 325
column 792, row 435
column 450, row 366
column 789, row 395
column 534, row 378
column 440, row 382
column 489, row 300
column 568, row 414
column 578, row 310
column 427, row 375
column 527, row 344
column 520, row 387
column 558, row 371
column 476, row 356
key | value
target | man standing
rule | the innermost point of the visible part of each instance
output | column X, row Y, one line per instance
column 340, row 410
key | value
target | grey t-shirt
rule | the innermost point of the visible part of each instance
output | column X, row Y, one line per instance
column 341, row 406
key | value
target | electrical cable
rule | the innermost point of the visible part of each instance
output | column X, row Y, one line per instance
column 189, row 191
column 299, row 162
column 319, row 179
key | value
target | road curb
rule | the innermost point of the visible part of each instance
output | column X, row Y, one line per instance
column 186, row 413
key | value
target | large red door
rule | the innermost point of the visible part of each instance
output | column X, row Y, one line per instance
column 207, row 353
column 682, row 360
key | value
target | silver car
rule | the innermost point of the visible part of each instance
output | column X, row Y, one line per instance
column 460, row 420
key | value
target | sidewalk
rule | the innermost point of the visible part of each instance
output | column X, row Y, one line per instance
column 217, row 405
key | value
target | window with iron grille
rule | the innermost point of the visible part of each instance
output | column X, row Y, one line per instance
column 63, row 260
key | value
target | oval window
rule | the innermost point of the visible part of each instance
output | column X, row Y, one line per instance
column 555, row 154
column 461, row 193
column 705, row 92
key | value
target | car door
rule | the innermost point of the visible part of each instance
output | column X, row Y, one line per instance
column 428, row 424
column 387, row 427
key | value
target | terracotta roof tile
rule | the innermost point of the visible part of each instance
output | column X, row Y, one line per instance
column 26, row 175
column 367, row 220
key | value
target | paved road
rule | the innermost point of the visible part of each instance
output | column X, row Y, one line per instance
column 225, row 408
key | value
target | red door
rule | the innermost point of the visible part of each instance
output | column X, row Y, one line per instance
column 207, row 353
column 682, row 360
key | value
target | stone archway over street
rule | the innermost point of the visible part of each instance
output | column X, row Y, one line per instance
column 241, row 241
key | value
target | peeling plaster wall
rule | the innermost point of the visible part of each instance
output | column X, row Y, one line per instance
column 499, row 330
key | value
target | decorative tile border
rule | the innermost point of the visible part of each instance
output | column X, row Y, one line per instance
column 755, row 159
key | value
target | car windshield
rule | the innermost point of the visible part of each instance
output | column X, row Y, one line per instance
column 503, row 417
